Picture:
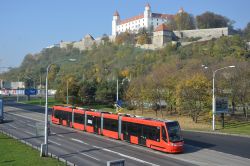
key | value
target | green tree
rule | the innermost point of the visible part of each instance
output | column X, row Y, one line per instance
column 212, row 20
column 246, row 32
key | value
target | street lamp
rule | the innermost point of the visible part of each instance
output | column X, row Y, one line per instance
column 117, row 91
column 44, row 146
column 67, row 91
column 213, row 100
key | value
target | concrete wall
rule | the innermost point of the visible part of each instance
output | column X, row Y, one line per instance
column 203, row 33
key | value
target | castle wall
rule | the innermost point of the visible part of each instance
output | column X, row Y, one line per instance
column 203, row 33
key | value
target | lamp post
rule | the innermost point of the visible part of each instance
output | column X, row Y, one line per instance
column 44, row 147
column 213, row 99
column 117, row 93
column 17, row 92
column 67, row 91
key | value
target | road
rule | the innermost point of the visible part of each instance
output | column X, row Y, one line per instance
column 84, row 148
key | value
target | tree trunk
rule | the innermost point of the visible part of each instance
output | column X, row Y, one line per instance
column 233, row 107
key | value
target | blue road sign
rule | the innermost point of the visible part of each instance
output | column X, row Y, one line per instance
column 1, row 110
column 119, row 103
column 31, row 91
column 221, row 105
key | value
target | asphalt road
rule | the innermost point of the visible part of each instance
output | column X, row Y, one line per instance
column 84, row 148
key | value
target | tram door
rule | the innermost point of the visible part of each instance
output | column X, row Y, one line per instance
column 125, row 133
column 141, row 135
column 96, row 124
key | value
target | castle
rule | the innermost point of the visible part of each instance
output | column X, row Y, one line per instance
column 161, row 33
column 144, row 20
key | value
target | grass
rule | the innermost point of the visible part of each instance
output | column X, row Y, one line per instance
column 236, row 127
column 14, row 153
column 41, row 102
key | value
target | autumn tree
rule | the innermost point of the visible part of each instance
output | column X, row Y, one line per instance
column 193, row 96
column 239, row 83
column 125, row 38
column 182, row 21
column 144, row 36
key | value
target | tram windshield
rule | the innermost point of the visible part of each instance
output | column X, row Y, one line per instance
column 174, row 131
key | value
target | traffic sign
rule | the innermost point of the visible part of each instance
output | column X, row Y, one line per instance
column 221, row 105
column 119, row 103
column 31, row 91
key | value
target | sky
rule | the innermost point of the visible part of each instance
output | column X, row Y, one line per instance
column 28, row 26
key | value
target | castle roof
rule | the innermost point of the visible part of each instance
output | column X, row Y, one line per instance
column 181, row 10
column 88, row 37
column 159, row 15
column 162, row 27
column 148, row 5
column 132, row 19
column 116, row 13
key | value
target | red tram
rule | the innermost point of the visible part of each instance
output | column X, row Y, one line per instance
column 160, row 135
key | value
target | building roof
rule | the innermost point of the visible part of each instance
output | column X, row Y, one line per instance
column 148, row 5
column 159, row 15
column 132, row 19
column 88, row 36
column 181, row 10
column 116, row 13
column 162, row 27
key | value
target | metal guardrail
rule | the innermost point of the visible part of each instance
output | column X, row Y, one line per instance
column 51, row 155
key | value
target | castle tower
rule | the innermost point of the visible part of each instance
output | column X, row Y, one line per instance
column 147, row 15
column 181, row 10
column 115, row 21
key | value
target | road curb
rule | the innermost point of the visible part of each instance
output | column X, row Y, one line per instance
column 217, row 133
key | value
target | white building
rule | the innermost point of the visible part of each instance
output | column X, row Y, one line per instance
column 144, row 20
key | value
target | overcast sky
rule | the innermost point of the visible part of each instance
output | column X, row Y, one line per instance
column 27, row 26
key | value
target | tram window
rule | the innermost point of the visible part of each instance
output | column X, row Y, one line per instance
column 69, row 116
column 153, row 133
column 110, row 124
column 57, row 114
column 133, row 129
column 164, row 136
column 124, row 126
column 78, row 118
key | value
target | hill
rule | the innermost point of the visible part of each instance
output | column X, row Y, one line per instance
column 146, row 77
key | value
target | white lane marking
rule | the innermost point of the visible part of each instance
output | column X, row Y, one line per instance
column 12, row 126
column 123, row 155
column 55, row 143
column 90, row 156
column 77, row 140
column 29, row 133
column 25, row 117
column 60, row 135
